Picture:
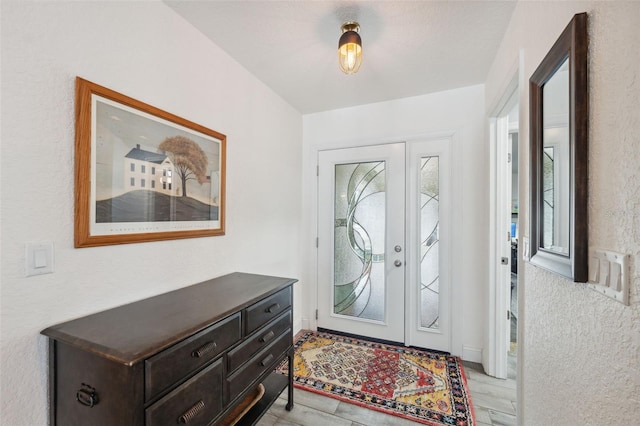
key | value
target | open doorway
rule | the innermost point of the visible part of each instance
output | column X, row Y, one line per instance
column 500, row 359
column 514, row 228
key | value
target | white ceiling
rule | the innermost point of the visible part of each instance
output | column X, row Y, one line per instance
column 409, row 47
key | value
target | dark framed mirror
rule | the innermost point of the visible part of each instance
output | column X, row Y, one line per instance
column 559, row 130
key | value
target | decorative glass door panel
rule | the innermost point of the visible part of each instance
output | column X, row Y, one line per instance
column 361, row 284
column 359, row 239
column 429, row 242
column 371, row 200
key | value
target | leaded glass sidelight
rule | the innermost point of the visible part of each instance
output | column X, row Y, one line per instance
column 429, row 242
column 359, row 238
column 548, row 197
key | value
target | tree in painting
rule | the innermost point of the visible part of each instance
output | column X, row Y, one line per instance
column 188, row 158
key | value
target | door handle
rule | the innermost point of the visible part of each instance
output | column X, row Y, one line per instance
column 398, row 263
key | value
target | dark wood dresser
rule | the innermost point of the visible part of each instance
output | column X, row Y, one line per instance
column 190, row 356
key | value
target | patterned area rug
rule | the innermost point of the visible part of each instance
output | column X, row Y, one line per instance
column 426, row 387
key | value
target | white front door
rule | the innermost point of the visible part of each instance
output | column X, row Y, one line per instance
column 361, row 241
column 383, row 227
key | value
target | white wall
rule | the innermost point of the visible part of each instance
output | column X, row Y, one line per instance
column 459, row 112
column 580, row 352
column 146, row 51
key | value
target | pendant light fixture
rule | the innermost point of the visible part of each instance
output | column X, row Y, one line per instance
column 350, row 48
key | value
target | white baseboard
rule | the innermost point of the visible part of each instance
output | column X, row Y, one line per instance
column 471, row 354
column 305, row 324
column 297, row 326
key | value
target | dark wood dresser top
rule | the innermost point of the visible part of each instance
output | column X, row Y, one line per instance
column 130, row 333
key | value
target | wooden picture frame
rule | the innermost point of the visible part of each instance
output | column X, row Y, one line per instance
column 143, row 174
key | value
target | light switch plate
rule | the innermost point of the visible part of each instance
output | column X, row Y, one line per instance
column 609, row 274
column 38, row 258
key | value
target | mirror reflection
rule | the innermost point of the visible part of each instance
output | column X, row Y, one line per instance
column 559, row 115
column 556, row 165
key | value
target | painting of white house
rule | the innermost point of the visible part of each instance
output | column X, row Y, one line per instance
column 149, row 174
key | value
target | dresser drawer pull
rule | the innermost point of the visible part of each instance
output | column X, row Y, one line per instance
column 273, row 308
column 191, row 412
column 266, row 360
column 267, row 337
column 87, row 396
column 203, row 350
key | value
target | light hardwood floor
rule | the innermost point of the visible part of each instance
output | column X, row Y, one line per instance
column 493, row 400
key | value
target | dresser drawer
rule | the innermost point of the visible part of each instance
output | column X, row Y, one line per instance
column 260, row 363
column 196, row 402
column 186, row 357
column 267, row 309
column 258, row 340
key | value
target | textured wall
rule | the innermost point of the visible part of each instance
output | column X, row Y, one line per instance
column 144, row 50
column 581, row 350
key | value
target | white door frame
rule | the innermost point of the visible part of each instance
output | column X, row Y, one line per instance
column 497, row 344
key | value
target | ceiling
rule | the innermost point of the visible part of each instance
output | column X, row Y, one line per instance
column 410, row 48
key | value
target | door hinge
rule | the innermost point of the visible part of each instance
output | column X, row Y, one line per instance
column 317, row 242
column 316, row 314
column 508, row 315
column 318, row 170
column 509, row 158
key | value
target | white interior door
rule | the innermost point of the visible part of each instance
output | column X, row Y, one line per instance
column 370, row 282
column 361, row 231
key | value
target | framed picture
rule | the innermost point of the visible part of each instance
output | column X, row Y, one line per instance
column 143, row 174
